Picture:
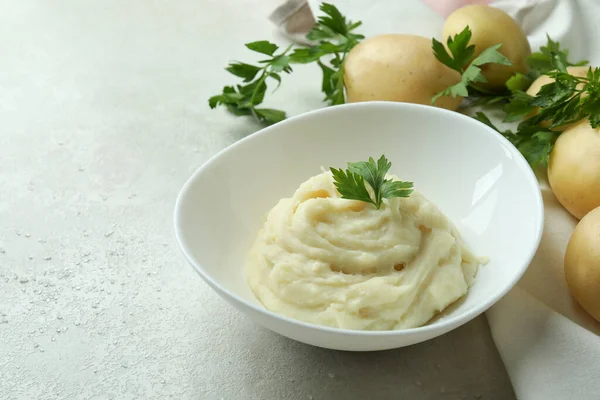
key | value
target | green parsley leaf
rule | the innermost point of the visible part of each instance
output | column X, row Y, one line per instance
column 519, row 106
column 277, row 77
column 243, row 70
column 472, row 74
column 269, row 115
column 595, row 117
column 459, row 89
column 214, row 101
column 332, row 24
column 239, row 111
column 479, row 97
column 567, row 112
column 306, row 55
column 327, row 84
column 392, row 188
column 461, row 51
column 539, row 63
column 537, row 147
column 443, row 56
column 590, row 104
column 459, row 56
column 551, row 57
column 481, row 117
column 254, row 93
column 351, row 185
column 351, row 182
column 519, row 81
column 229, row 95
column 554, row 92
column 491, row 55
column 332, row 84
column 263, row 46
column 281, row 63
column 373, row 173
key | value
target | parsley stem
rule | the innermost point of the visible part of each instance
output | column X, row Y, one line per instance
column 260, row 81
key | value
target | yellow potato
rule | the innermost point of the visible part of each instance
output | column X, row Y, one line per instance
column 574, row 169
column 582, row 263
column 398, row 68
column 544, row 80
column 491, row 26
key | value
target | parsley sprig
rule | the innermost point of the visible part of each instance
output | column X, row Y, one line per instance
column 569, row 99
column 546, row 60
column 539, row 63
column 243, row 99
column 335, row 37
column 459, row 59
column 350, row 183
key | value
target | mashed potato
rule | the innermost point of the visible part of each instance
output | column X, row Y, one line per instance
column 345, row 264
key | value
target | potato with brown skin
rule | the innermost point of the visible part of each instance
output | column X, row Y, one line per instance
column 582, row 263
column 400, row 68
column 535, row 87
column 491, row 26
column 574, row 169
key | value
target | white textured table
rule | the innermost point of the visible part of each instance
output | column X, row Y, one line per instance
column 103, row 116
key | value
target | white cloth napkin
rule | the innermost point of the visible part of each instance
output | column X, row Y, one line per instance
column 549, row 345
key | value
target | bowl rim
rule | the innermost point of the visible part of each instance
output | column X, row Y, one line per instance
column 445, row 324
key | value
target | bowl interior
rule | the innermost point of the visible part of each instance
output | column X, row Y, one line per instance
column 473, row 174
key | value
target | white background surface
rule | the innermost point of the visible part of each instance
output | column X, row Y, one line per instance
column 103, row 116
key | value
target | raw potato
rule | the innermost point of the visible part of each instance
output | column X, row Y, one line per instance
column 544, row 80
column 491, row 26
column 398, row 68
column 574, row 169
column 582, row 263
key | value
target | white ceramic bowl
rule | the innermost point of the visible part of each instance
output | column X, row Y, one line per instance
column 473, row 174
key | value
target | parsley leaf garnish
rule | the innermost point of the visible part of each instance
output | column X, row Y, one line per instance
column 459, row 59
column 350, row 183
